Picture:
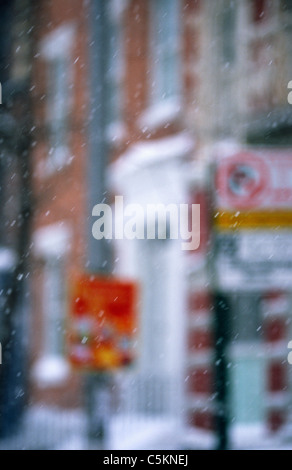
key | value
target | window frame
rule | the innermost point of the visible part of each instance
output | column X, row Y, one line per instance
column 54, row 316
column 156, row 97
column 51, row 244
column 57, row 48
column 116, row 72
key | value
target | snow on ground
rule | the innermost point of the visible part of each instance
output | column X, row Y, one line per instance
column 54, row 429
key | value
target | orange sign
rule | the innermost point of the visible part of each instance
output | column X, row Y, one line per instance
column 103, row 323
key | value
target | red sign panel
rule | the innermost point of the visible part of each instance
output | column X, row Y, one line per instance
column 103, row 323
column 255, row 180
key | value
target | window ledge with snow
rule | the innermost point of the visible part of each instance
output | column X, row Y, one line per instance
column 58, row 159
column 164, row 113
column 51, row 371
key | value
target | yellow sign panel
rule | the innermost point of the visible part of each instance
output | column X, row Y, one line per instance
column 263, row 219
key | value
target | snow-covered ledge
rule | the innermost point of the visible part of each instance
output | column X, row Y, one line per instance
column 51, row 371
column 146, row 154
column 7, row 259
column 52, row 240
column 160, row 114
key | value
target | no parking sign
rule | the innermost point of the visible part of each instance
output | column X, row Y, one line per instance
column 253, row 220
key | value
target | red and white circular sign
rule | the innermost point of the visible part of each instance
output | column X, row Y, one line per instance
column 242, row 181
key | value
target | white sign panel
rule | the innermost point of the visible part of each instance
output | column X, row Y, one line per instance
column 253, row 221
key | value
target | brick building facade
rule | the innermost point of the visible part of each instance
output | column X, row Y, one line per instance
column 59, row 158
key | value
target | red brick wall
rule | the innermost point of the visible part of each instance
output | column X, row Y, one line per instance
column 60, row 196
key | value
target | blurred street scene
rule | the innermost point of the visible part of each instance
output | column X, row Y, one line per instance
column 109, row 338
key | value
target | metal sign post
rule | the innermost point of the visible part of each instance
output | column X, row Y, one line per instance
column 98, row 252
column 221, row 331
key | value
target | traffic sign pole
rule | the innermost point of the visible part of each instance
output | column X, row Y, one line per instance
column 98, row 252
column 222, row 325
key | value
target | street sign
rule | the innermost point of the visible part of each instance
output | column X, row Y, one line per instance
column 252, row 221
column 102, row 323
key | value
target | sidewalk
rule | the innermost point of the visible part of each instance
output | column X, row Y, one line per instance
column 46, row 428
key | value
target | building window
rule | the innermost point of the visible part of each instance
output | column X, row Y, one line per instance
column 224, row 47
column 228, row 31
column 51, row 248
column 286, row 31
column 115, row 71
column 247, row 363
column 164, row 33
column 56, row 50
column 58, row 99
column 54, row 307
column 260, row 60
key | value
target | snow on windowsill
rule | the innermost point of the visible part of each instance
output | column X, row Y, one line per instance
column 277, row 400
column 275, row 307
column 57, row 160
column 52, row 240
column 59, row 42
column 51, row 371
column 276, row 350
column 160, row 114
column 7, row 259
